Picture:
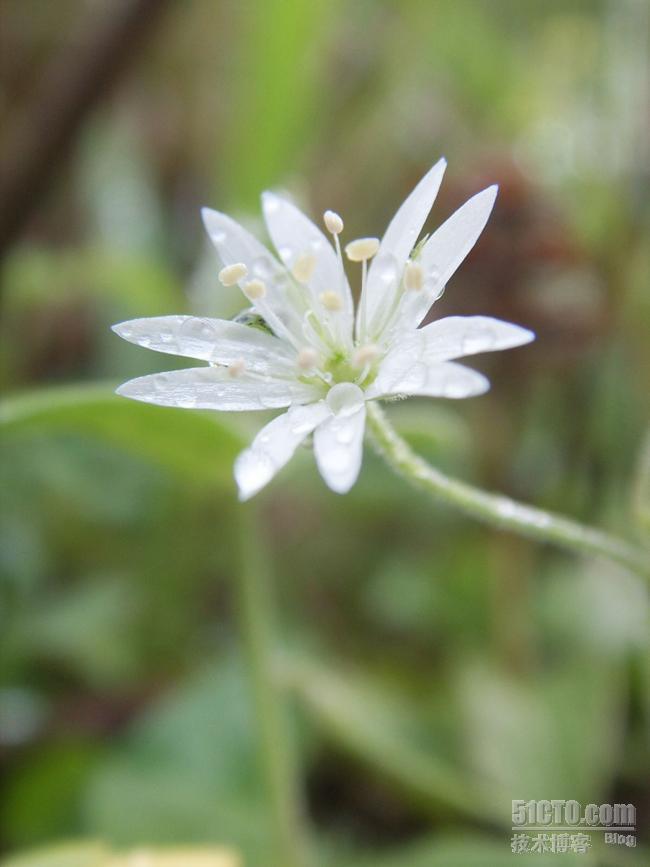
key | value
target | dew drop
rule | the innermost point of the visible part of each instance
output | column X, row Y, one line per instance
column 261, row 268
column 385, row 268
column 345, row 399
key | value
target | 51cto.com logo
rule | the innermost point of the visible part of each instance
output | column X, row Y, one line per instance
column 561, row 825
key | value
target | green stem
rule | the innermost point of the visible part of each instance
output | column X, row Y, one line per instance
column 496, row 509
column 276, row 754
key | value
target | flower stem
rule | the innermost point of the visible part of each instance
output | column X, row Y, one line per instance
column 276, row 754
column 496, row 509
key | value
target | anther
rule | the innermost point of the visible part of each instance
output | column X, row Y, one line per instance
column 236, row 368
column 362, row 249
column 331, row 300
column 365, row 355
column 413, row 276
column 307, row 358
column 232, row 274
column 333, row 222
column 303, row 267
column 255, row 289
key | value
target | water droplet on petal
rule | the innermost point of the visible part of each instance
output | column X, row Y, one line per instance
column 345, row 399
column 385, row 268
column 261, row 267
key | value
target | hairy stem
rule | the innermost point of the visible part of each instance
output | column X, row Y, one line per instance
column 496, row 509
column 276, row 753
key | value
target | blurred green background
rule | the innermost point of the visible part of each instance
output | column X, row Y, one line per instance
column 437, row 669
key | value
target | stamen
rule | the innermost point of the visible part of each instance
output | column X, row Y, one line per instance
column 365, row 355
column 303, row 267
column 236, row 368
column 232, row 274
column 255, row 289
column 413, row 276
column 331, row 301
column 307, row 358
column 362, row 249
column 333, row 222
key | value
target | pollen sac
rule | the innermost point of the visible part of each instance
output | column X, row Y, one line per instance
column 307, row 358
column 413, row 276
column 232, row 274
column 255, row 289
column 365, row 355
column 303, row 267
column 331, row 301
column 333, row 222
column 236, row 368
column 362, row 249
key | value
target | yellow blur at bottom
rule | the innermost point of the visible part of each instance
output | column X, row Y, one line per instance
column 99, row 855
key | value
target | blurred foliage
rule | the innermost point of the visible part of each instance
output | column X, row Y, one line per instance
column 436, row 670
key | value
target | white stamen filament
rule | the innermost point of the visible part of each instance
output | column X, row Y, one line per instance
column 232, row 274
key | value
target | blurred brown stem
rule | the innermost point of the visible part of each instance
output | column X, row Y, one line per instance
column 70, row 87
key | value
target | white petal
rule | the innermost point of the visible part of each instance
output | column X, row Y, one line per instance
column 338, row 441
column 215, row 340
column 443, row 253
column 274, row 446
column 404, row 374
column 234, row 244
column 214, row 388
column 385, row 270
column 294, row 235
column 458, row 336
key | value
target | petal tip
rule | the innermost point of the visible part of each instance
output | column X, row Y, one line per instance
column 211, row 219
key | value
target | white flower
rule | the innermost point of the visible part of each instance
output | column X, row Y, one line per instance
column 301, row 347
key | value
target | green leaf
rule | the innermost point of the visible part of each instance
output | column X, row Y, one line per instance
column 471, row 851
column 378, row 728
column 272, row 122
column 195, row 445
column 642, row 488
column 187, row 770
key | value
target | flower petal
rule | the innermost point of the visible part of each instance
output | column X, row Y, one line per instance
column 386, row 268
column 458, row 336
column 402, row 373
column 235, row 244
column 338, row 447
column 215, row 388
column 443, row 253
column 275, row 445
column 295, row 235
column 216, row 340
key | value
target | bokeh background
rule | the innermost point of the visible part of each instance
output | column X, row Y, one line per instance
column 436, row 668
